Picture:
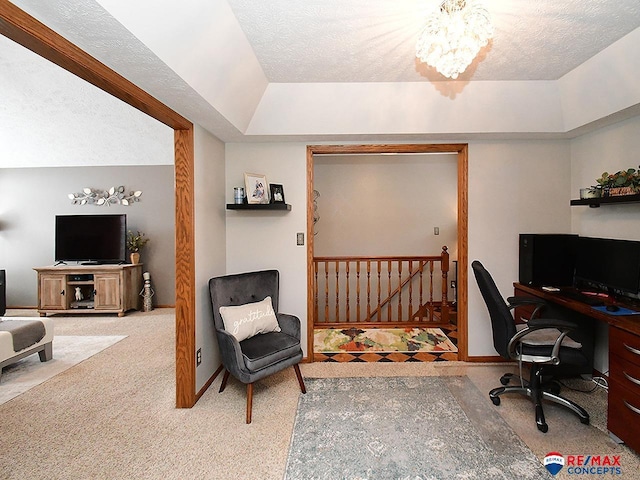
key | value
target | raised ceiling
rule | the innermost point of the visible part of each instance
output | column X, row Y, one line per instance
column 346, row 69
column 374, row 40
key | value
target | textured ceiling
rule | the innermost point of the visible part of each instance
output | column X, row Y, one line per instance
column 166, row 51
column 374, row 40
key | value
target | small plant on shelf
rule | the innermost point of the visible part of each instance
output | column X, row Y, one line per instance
column 623, row 182
column 136, row 242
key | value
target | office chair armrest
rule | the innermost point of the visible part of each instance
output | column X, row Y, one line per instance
column 513, row 302
column 564, row 326
column 289, row 324
column 559, row 323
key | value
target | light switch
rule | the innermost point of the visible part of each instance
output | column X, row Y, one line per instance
column 436, row 230
column 299, row 238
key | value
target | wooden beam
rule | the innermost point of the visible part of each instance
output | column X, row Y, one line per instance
column 185, row 270
column 462, row 285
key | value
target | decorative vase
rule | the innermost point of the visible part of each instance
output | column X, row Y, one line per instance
column 590, row 192
column 135, row 258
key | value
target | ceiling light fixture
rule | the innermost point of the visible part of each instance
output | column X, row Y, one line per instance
column 454, row 35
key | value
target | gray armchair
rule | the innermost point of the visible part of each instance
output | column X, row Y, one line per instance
column 261, row 355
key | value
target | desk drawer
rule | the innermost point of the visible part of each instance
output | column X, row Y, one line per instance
column 624, row 415
column 624, row 344
column 627, row 374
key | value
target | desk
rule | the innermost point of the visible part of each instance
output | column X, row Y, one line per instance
column 624, row 361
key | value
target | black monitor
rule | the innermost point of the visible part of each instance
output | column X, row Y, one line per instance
column 608, row 264
column 91, row 238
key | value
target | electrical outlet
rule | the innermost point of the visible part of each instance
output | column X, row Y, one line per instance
column 436, row 230
column 198, row 357
column 300, row 238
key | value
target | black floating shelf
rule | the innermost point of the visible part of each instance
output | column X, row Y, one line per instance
column 596, row 202
column 259, row 206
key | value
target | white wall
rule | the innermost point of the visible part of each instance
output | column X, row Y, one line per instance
column 210, row 243
column 609, row 149
column 514, row 187
column 408, row 108
column 386, row 204
column 259, row 240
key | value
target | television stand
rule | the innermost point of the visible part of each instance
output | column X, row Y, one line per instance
column 87, row 289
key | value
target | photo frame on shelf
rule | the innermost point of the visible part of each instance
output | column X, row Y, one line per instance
column 256, row 188
column 277, row 193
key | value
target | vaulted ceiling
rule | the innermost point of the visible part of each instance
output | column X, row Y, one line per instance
column 327, row 69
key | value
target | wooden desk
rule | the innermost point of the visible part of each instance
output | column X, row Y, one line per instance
column 623, row 419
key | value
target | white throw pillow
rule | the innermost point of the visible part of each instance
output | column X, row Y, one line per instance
column 245, row 321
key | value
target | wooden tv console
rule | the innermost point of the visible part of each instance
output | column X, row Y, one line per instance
column 87, row 289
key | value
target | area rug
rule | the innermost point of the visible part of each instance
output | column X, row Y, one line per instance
column 405, row 340
column 67, row 352
column 414, row 428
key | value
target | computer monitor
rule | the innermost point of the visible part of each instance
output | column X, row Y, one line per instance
column 608, row 264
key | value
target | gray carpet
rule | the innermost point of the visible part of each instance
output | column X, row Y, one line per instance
column 404, row 428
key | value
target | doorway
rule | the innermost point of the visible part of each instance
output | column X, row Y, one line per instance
column 462, row 225
column 31, row 34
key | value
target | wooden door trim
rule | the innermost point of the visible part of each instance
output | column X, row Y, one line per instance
column 461, row 149
column 20, row 27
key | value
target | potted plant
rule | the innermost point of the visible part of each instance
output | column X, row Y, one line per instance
column 135, row 243
column 623, row 182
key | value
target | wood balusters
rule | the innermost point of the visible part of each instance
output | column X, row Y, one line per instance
column 397, row 286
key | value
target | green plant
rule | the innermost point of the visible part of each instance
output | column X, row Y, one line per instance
column 622, row 178
column 136, row 242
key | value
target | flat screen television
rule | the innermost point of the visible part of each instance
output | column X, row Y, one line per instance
column 608, row 264
column 91, row 239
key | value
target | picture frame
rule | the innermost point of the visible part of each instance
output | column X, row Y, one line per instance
column 277, row 193
column 256, row 188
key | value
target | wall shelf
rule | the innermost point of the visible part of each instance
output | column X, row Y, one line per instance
column 259, row 206
column 596, row 202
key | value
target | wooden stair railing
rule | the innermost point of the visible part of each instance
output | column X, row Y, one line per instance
column 390, row 281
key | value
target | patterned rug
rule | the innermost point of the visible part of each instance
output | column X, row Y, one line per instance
column 384, row 344
column 404, row 428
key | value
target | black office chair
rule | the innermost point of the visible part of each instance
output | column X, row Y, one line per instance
column 543, row 342
column 263, row 354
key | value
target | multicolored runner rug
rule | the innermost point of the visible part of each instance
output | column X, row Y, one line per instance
column 383, row 344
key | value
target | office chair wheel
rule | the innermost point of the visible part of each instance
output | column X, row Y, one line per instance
column 504, row 380
column 584, row 421
column 540, row 421
column 495, row 400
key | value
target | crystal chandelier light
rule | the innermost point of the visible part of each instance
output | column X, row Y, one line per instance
column 454, row 35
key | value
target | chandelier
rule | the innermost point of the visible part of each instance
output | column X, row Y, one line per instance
column 454, row 35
